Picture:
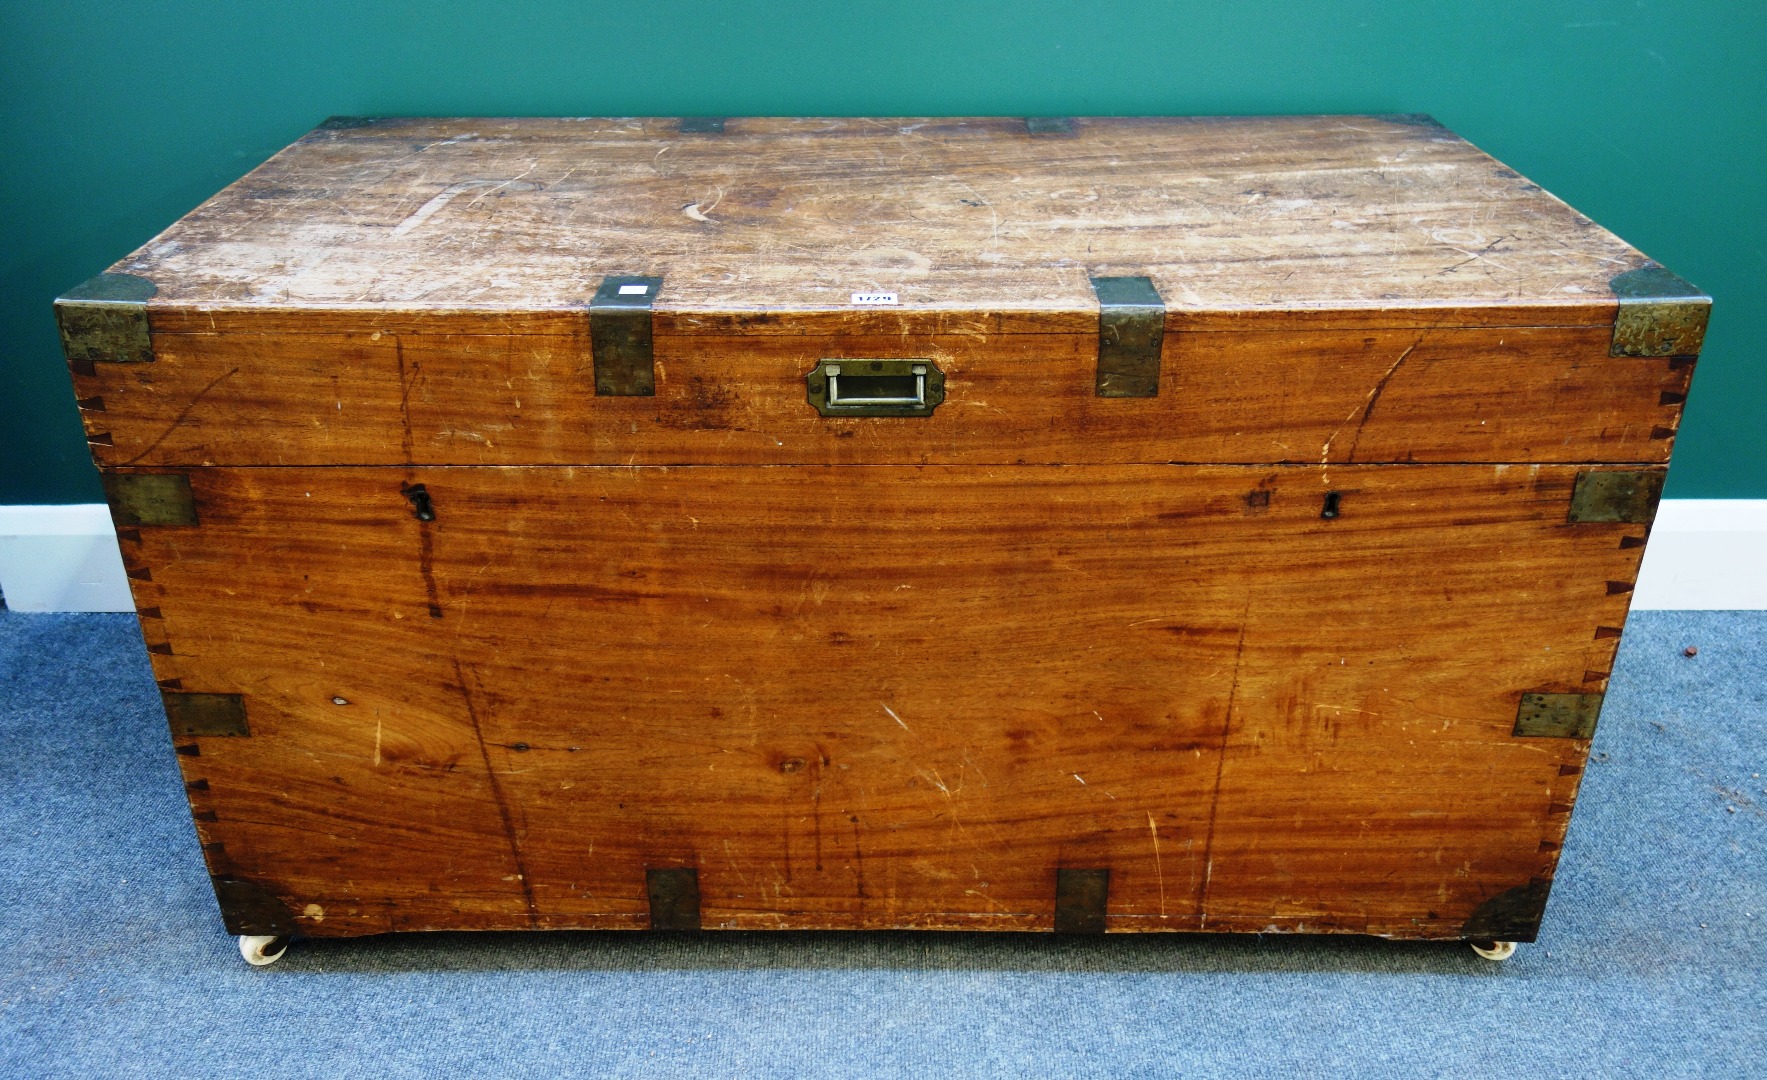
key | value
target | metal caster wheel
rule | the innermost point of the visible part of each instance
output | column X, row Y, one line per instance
column 262, row 950
column 1493, row 950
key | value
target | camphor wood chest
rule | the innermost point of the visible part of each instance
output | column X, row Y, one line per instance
column 1093, row 524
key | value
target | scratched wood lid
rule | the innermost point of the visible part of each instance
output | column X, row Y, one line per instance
column 766, row 226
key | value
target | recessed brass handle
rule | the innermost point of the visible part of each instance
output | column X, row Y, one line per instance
column 875, row 387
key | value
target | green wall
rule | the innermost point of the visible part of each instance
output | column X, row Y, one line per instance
column 1649, row 116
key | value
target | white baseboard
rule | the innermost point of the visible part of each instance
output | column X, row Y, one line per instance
column 61, row 558
column 1704, row 554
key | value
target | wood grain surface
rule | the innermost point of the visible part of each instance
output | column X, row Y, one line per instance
column 773, row 224
column 1538, row 394
column 1254, row 646
column 884, row 696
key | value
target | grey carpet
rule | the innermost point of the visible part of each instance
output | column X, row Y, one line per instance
column 113, row 961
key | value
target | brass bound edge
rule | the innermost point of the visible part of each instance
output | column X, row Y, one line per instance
column 1616, row 495
column 674, row 898
column 1080, row 900
column 1131, row 331
column 249, row 908
column 104, row 320
column 149, row 499
column 200, row 715
column 1659, row 314
column 1422, row 120
column 620, row 336
column 348, row 123
column 1557, row 716
column 1511, row 915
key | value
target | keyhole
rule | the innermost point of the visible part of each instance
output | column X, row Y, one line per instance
column 421, row 506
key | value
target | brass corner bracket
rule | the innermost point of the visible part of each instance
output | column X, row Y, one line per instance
column 104, row 319
column 1660, row 314
column 1557, row 716
column 1616, row 495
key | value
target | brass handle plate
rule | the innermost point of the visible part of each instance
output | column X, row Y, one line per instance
column 875, row 387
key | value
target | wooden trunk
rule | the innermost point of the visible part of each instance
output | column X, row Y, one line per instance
column 1250, row 556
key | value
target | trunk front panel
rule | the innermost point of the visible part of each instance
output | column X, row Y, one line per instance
column 884, row 696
